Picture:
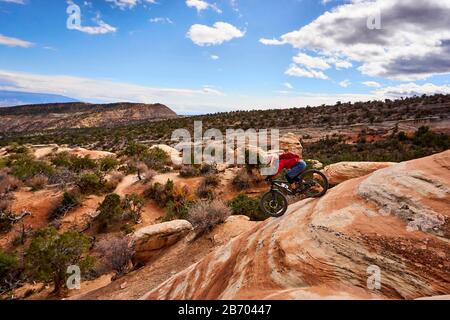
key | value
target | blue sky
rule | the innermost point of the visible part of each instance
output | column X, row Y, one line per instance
column 201, row 56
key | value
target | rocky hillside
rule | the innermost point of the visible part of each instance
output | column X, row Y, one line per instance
column 395, row 220
column 79, row 115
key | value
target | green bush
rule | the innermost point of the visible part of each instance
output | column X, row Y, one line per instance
column 50, row 254
column 246, row 206
column 136, row 150
column 110, row 212
column 24, row 167
column 175, row 199
column 73, row 162
column 69, row 201
column 8, row 263
column 156, row 159
column 90, row 183
column 108, row 163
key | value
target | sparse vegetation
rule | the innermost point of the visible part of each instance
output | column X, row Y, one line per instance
column 205, row 215
column 70, row 200
column 246, row 206
column 242, row 180
column 116, row 254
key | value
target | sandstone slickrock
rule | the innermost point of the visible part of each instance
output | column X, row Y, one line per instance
column 148, row 240
column 343, row 171
column 396, row 219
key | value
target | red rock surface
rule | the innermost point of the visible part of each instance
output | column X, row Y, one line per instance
column 343, row 171
column 397, row 219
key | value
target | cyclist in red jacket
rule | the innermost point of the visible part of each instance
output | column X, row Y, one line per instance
column 288, row 161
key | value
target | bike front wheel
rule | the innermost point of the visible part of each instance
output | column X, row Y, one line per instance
column 274, row 203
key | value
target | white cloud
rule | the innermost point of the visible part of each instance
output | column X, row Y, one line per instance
column 342, row 64
column 14, row 1
column 201, row 5
column 413, row 89
column 296, row 71
column 345, row 83
column 124, row 4
column 311, row 62
column 214, row 57
column 221, row 32
column 288, row 85
column 271, row 42
column 161, row 20
column 372, row 84
column 14, row 42
column 413, row 42
column 128, row 4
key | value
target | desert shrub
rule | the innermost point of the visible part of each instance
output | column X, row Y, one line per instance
column 8, row 183
column 205, row 215
column 90, row 183
column 17, row 148
column 79, row 164
column 189, row 171
column 73, row 162
column 205, row 191
column 61, row 159
column 132, row 206
column 246, row 206
column 206, row 188
column 8, row 262
column 207, row 169
column 62, row 176
column 156, row 159
column 116, row 254
column 212, row 180
column 242, row 180
column 70, row 200
column 110, row 212
column 37, row 182
column 176, row 199
column 135, row 150
column 107, row 164
column 24, row 166
column 50, row 254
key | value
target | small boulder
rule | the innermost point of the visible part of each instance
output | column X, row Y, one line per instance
column 149, row 240
column 343, row 171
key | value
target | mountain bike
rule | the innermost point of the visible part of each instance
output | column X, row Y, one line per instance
column 310, row 183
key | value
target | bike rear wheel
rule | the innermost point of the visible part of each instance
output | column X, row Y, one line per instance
column 274, row 203
column 315, row 183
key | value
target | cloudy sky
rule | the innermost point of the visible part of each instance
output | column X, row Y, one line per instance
column 201, row 56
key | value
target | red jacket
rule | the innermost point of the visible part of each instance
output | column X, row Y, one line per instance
column 287, row 161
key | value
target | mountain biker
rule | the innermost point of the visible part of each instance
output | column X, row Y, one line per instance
column 291, row 162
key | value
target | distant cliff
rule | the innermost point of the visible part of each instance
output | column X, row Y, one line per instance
column 79, row 115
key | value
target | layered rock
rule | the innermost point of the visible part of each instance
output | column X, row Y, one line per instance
column 149, row 240
column 385, row 235
column 343, row 171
